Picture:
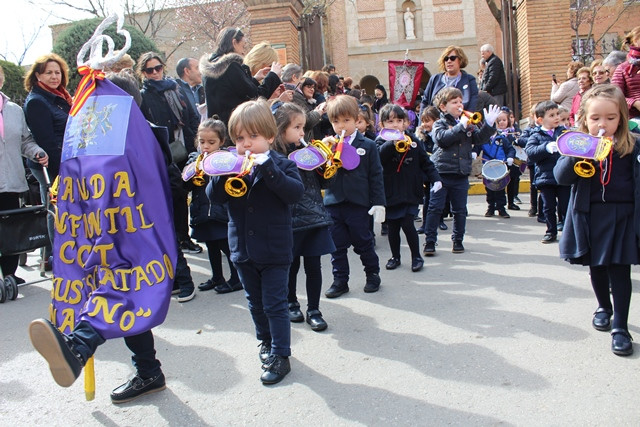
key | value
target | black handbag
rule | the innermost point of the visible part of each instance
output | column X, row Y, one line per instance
column 23, row 230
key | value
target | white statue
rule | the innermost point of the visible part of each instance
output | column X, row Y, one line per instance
column 408, row 25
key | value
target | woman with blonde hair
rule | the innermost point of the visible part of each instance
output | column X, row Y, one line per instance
column 260, row 56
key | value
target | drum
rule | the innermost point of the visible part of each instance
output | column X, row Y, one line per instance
column 495, row 175
column 521, row 158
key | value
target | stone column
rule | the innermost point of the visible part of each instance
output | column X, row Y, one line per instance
column 544, row 48
column 276, row 22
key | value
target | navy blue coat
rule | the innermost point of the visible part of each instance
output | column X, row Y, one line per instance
column 455, row 143
column 46, row 116
column 575, row 241
column 499, row 147
column 260, row 228
column 405, row 186
column 467, row 85
column 362, row 186
column 537, row 152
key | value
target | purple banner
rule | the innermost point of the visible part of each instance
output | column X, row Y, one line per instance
column 114, row 247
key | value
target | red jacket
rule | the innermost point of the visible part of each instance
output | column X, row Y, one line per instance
column 630, row 85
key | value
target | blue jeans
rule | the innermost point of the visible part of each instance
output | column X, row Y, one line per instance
column 457, row 187
column 266, row 290
column 85, row 340
column 44, row 197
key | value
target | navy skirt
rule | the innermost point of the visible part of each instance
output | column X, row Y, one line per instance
column 400, row 211
column 210, row 230
column 611, row 235
column 313, row 242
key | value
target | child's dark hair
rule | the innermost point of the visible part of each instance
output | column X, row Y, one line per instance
column 367, row 114
column 507, row 111
column 446, row 95
column 284, row 115
column 366, row 99
column 215, row 125
column 543, row 107
column 430, row 113
column 392, row 111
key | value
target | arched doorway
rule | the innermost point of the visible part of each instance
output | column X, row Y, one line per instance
column 368, row 83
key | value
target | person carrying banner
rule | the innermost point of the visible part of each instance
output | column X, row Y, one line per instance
column 116, row 259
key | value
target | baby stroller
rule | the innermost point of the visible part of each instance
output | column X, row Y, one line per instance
column 21, row 230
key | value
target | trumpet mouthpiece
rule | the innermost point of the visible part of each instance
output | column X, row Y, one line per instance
column 601, row 132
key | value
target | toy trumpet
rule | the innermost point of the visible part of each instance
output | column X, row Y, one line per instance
column 474, row 118
column 310, row 157
column 225, row 162
column 193, row 171
column 586, row 147
column 236, row 186
column 402, row 142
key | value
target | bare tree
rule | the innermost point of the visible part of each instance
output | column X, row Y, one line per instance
column 495, row 10
column 585, row 14
column 96, row 8
column 200, row 21
column 28, row 39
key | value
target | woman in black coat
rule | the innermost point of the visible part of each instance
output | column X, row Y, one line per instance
column 46, row 110
column 228, row 82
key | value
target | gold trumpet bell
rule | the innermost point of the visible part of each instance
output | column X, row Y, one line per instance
column 235, row 187
column 329, row 171
column 584, row 168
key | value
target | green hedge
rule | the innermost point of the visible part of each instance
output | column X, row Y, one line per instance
column 13, row 82
column 71, row 40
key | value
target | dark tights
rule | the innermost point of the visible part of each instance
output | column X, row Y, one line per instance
column 410, row 233
column 214, row 247
column 313, row 271
column 619, row 276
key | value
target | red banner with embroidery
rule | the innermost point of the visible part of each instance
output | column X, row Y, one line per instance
column 86, row 87
column 404, row 82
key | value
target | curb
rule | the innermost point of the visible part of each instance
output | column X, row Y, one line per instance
column 477, row 187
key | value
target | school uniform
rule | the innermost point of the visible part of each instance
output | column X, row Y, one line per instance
column 348, row 200
column 498, row 148
column 452, row 158
column 553, row 195
column 261, row 241
column 404, row 175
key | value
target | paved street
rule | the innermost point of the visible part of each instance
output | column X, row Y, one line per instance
column 498, row 335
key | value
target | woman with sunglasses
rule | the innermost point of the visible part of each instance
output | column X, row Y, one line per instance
column 303, row 97
column 228, row 82
column 451, row 62
column 599, row 73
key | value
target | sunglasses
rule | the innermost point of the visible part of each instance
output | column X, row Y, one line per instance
column 450, row 58
column 150, row 70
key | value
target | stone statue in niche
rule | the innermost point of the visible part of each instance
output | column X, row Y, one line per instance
column 408, row 25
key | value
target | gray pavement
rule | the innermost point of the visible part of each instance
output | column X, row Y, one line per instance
column 498, row 335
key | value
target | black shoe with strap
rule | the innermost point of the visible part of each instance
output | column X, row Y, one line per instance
column 602, row 319
column 295, row 315
column 138, row 386
column 621, row 342
column 315, row 320
column 275, row 369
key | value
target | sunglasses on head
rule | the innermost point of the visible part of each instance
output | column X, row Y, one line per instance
column 150, row 70
column 450, row 58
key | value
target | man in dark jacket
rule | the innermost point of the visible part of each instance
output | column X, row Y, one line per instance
column 190, row 80
column 494, row 80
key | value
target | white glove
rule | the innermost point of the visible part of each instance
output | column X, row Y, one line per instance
column 474, row 155
column 378, row 213
column 509, row 161
column 437, row 186
column 552, row 147
column 491, row 115
column 259, row 159
column 464, row 120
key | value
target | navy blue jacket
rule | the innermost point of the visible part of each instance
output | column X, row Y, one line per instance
column 46, row 116
column 537, row 152
column 575, row 240
column 405, row 186
column 499, row 147
column 202, row 210
column 454, row 144
column 467, row 85
column 260, row 228
column 362, row 186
